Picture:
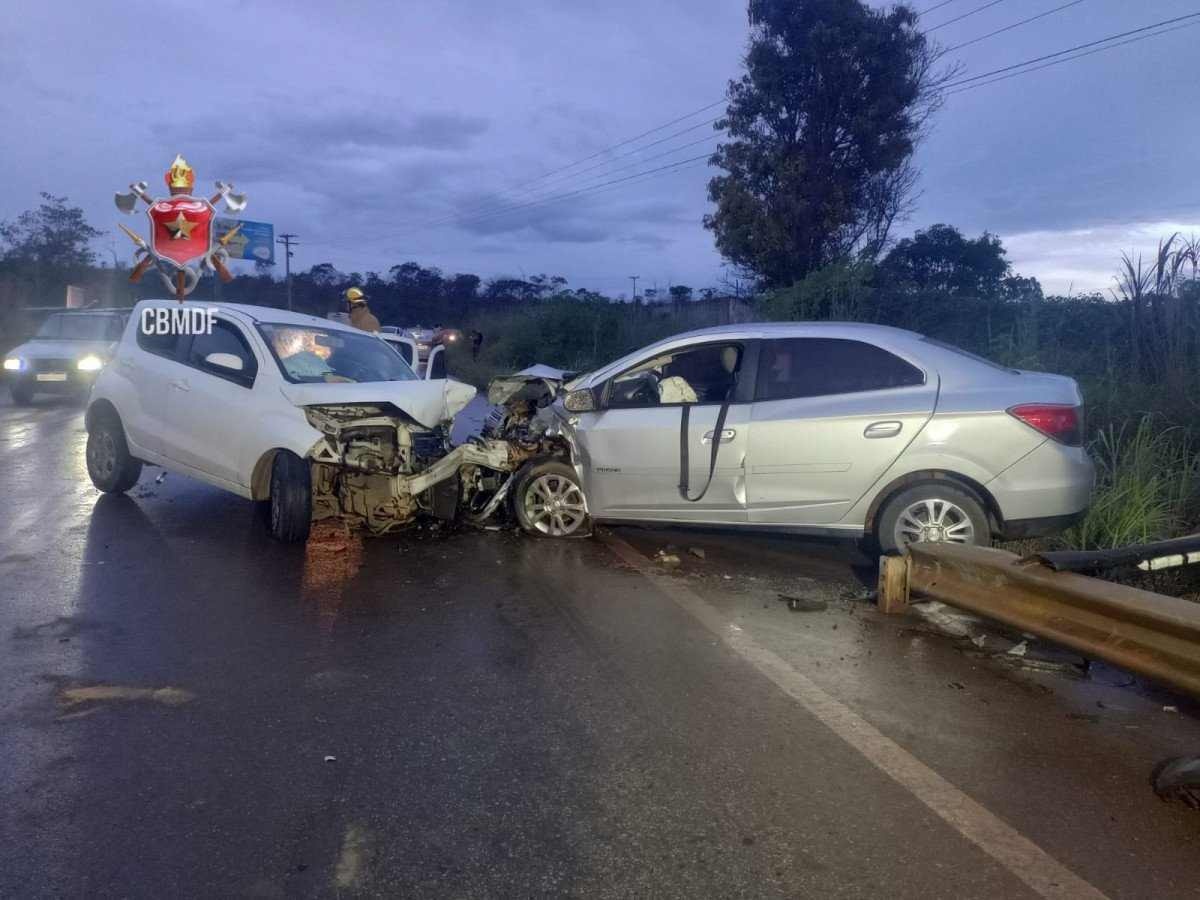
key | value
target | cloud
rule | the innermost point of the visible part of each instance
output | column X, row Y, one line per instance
column 1084, row 260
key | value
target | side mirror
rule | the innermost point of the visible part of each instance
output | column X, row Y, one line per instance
column 226, row 361
column 580, row 401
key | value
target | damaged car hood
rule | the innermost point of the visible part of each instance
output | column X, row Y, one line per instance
column 427, row 402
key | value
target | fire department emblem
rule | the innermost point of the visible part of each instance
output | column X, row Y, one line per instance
column 182, row 244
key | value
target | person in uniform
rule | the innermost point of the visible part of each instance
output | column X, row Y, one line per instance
column 360, row 313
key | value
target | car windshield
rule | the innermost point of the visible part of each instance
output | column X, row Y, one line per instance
column 76, row 327
column 308, row 354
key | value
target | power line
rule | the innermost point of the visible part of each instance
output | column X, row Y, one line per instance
column 1012, row 26
column 559, row 197
column 936, row 6
column 1039, row 59
column 965, row 15
column 1132, row 40
column 624, row 143
column 487, row 207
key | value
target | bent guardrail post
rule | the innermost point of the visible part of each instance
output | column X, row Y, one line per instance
column 1147, row 633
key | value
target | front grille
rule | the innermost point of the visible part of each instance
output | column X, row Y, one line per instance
column 53, row 365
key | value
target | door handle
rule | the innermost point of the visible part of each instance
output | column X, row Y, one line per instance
column 882, row 429
column 727, row 435
column 180, row 385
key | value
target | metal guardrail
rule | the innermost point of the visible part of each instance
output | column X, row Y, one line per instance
column 1179, row 551
column 1140, row 631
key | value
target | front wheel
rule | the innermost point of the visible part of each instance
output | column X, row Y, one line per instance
column 548, row 501
column 936, row 512
column 22, row 392
column 109, row 463
column 289, row 508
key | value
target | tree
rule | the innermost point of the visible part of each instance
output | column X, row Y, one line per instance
column 941, row 259
column 48, row 247
column 823, row 125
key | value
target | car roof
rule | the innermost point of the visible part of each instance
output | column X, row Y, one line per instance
column 268, row 314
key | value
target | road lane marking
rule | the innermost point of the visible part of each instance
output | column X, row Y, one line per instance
column 999, row 840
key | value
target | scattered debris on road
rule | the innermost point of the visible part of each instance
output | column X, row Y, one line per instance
column 1178, row 779
column 804, row 604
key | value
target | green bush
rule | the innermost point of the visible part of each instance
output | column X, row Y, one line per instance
column 1146, row 488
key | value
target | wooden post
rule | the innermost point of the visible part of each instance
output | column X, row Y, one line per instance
column 893, row 584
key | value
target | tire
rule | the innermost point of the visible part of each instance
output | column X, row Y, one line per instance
column 111, row 467
column 289, row 508
column 547, row 501
column 934, row 511
column 22, row 392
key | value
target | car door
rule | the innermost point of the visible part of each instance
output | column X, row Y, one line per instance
column 631, row 445
column 435, row 366
column 829, row 417
column 405, row 346
column 206, row 402
column 146, row 368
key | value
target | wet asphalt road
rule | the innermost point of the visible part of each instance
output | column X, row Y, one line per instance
column 188, row 709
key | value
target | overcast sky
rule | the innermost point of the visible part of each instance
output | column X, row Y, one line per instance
column 382, row 132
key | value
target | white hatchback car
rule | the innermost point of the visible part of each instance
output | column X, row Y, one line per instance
column 311, row 417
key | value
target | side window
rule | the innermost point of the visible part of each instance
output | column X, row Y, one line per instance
column 706, row 374
column 818, row 367
column 154, row 342
column 226, row 338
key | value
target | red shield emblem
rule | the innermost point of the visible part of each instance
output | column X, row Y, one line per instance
column 181, row 228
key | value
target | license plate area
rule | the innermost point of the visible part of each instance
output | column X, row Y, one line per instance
column 52, row 376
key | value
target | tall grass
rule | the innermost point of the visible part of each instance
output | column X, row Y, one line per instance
column 1147, row 486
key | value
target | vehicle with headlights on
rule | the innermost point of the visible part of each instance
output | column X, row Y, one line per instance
column 65, row 355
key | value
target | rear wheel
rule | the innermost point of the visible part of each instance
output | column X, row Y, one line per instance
column 22, row 392
column 548, row 501
column 109, row 463
column 938, row 512
column 289, row 508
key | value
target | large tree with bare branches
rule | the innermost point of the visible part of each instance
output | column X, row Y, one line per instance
column 823, row 125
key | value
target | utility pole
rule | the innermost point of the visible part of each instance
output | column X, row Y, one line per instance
column 634, row 279
column 288, row 241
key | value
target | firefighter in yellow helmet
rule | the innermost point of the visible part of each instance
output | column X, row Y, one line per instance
column 360, row 314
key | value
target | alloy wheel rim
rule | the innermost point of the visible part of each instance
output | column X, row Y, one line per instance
column 935, row 521
column 104, row 454
column 554, row 505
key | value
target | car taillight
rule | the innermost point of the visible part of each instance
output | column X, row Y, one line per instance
column 1055, row 420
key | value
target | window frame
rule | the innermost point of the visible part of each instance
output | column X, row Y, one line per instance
column 743, row 389
column 244, row 378
column 172, row 355
column 924, row 372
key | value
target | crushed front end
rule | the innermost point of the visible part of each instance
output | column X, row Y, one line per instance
column 376, row 467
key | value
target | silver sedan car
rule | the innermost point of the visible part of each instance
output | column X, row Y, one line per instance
column 820, row 428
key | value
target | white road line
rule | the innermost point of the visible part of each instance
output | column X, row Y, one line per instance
column 1023, row 858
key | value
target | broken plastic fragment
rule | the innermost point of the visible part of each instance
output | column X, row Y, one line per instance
column 330, row 759
column 1018, row 649
column 1178, row 779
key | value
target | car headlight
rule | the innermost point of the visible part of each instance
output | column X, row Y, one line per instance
column 12, row 364
column 90, row 364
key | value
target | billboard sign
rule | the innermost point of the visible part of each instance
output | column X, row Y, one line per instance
column 254, row 241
